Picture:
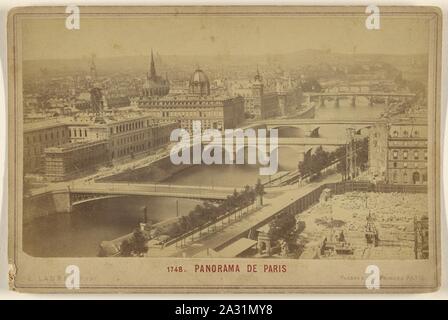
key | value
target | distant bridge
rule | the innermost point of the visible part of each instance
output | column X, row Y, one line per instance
column 371, row 96
column 286, row 122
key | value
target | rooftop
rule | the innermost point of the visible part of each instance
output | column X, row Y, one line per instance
column 190, row 97
column 74, row 146
column 45, row 124
column 127, row 114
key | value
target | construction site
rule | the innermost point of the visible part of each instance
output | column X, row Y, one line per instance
column 365, row 225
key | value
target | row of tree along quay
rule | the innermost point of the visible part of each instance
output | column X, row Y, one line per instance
column 203, row 216
column 313, row 164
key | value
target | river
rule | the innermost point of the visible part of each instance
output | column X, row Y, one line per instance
column 79, row 233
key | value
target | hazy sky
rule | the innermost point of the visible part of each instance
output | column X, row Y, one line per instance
column 48, row 38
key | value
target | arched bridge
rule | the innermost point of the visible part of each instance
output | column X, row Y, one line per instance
column 385, row 97
column 312, row 126
column 287, row 141
column 82, row 193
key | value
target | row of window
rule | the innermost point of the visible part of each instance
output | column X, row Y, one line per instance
column 411, row 143
column 205, row 125
column 200, row 114
column 405, row 154
column 129, row 139
column 128, row 126
column 405, row 164
column 415, row 178
column 130, row 150
column 406, row 133
column 139, row 148
column 184, row 104
column 77, row 133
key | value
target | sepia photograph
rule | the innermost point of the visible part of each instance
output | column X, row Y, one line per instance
column 247, row 147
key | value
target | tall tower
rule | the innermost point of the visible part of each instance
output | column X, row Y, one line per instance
column 257, row 87
column 93, row 73
column 152, row 69
column 155, row 86
column 257, row 93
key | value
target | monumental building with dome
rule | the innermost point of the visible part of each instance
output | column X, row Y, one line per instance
column 214, row 111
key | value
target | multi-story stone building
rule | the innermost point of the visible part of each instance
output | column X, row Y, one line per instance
column 127, row 134
column 214, row 111
column 38, row 136
column 71, row 160
column 96, row 140
column 398, row 151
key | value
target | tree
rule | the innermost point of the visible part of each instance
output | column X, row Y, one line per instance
column 139, row 242
column 305, row 165
column 126, row 248
column 362, row 152
column 259, row 191
column 342, row 168
column 319, row 160
column 282, row 227
column 208, row 211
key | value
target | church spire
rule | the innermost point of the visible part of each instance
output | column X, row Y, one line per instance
column 258, row 76
column 152, row 70
column 93, row 73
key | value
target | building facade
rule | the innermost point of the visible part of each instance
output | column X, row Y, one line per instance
column 214, row 111
column 38, row 136
column 92, row 143
column 408, row 153
column 72, row 160
column 127, row 134
column 398, row 151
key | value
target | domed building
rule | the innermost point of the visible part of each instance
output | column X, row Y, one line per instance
column 199, row 83
column 155, row 86
column 212, row 110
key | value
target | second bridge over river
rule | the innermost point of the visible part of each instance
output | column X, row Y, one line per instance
column 81, row 193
